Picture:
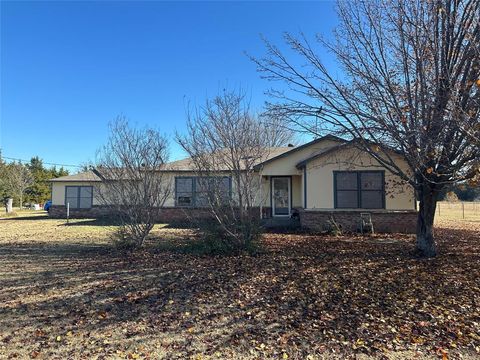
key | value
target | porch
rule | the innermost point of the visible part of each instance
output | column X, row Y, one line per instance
column 282, row 197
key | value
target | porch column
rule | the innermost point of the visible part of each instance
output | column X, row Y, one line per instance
column 261, row 196
column 304, row 187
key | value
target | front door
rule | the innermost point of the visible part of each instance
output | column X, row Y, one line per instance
column 281, row 188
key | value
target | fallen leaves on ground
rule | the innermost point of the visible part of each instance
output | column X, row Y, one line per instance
column 306, row 296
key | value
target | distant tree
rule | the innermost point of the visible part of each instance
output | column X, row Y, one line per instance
column 18, row 179
column 464, row 192
column 408, row 80
column 278, row 131
column 3, row 179
column 132, row 185
column 55, row 173
column 39, row 191
column 86, row 166
column 451, row 197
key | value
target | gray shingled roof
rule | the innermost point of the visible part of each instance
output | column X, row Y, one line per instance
column 174, row 166
column 187, row 164
column 83, row 176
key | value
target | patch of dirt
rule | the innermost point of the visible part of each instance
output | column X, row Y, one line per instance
column 66, row 293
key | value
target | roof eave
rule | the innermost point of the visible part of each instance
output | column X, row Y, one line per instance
column 303, row 163
column 295, row 149
column 74, row 180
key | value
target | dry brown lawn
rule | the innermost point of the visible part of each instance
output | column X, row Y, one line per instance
column 66, row 293
column 467, row 210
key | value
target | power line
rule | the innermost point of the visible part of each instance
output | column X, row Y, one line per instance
column 46, row 163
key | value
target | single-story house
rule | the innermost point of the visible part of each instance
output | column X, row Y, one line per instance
column 327, row 176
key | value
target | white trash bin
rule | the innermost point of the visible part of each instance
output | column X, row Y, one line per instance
column 9, row 205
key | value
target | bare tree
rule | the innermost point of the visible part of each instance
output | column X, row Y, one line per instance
column 18, row 178
column 409, row 81
column 278, row 130
column 226, row 142
column 132, row 186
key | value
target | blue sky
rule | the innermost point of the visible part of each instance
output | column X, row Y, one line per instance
column 68, row 68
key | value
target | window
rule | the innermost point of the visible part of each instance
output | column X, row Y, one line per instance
column 202, row 191
column 184, row 191
column 79, row 197
column 359, row 189
column 372, row 192
column 347, row 190
column 195, row 191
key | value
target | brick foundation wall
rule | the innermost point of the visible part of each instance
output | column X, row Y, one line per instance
column 383, row 221
column 314, row 220
column 60, row 212
column 168, row 215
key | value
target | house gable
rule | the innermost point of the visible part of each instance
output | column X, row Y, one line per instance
column 286, row 163
column 319, row 171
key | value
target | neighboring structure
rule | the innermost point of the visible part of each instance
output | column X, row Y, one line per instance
column 325, row 177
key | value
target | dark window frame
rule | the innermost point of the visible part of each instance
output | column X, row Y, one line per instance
column 194, row 189
column 192, row 178
column 359, row 189
column 78, row 197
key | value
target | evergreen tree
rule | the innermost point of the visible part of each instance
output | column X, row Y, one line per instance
column 40, row 191
column 3, row 179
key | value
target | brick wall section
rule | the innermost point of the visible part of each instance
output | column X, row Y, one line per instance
column 314, row 220
column 383, row 221
column 169, row 215
column 60, row 212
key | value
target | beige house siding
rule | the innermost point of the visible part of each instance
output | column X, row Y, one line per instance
column 262, row 198
column 319, row 178
column 286, row 165
column 58, row 191
column 320, row 187
column 297, row 200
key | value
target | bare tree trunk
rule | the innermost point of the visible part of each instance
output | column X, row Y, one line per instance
column 408, row 82
column 426, row 214
column 21, row 201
